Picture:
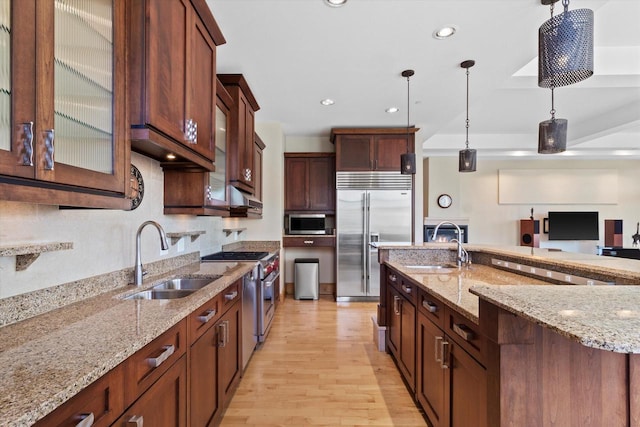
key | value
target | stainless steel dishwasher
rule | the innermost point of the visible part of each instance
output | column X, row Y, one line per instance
column 250, row 283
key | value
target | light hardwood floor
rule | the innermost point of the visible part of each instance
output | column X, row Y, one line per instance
column 320, row 366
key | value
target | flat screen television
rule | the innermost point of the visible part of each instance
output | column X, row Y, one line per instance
column 573, row 226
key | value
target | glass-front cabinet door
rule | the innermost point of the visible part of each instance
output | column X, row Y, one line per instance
column 62, row 74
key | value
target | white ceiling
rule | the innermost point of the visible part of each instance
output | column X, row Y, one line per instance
column 295, row 53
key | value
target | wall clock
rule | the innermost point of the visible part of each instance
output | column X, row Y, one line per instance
column 137, row 187
column 444, row 201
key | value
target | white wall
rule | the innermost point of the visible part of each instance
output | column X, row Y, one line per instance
column 475, row 196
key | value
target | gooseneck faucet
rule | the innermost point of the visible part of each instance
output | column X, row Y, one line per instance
column 463, row 255
column 163, row 244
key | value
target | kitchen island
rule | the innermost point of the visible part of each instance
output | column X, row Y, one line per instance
column 519, row 349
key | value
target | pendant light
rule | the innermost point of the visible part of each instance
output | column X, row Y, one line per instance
column 467, row 157
column 408, row 160
column 565, row 57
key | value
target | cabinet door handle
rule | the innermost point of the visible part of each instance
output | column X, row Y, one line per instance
column 49, row 145
column 431, row 307
column 444, row 364
column 437, row 346
column 86, row 420
column 27, row 144
column 396, row 305
column 462, row 330
column 154, row 362
column 208, row 315
column 231, row 296
column 406, row 289
column 247, row 174
column 223, row 333
column 308, row 242
column 191, row 131
column 136, row 421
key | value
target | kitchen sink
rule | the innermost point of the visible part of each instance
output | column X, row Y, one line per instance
column 161, row 294
column 186, row 283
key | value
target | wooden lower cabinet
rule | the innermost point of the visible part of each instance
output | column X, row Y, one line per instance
column 164, row 404
column 215, row 360
column 402, row 335
column 451, row 386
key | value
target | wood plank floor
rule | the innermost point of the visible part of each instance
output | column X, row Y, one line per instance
column 320, row 366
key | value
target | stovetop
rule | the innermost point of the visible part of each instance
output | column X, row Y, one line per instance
column 235, row 256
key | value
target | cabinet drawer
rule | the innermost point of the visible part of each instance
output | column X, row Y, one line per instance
column 204, row 317
column 149, row 363
column 466, row 333
column 101, row 401
column 309, row 241
column 404, row 286
column 431, row 307
column 230, row 295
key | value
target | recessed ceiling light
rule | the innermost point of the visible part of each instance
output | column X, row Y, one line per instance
column 327, row 101
column 391, row 110
column 445, row 32
column 335, row 3
column 171, row 156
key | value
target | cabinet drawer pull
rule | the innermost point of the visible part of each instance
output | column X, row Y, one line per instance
column 406, row 289
column 437, row 346
column 154, row 362
column 431, row 307
column 231, row 296
column 308, row 242
column 444, row 364
column 86, row 420
column 136, row 421
column 463, row 331
column 27, row 144
column 208, row 315
column 49, row 145
column 393, row 277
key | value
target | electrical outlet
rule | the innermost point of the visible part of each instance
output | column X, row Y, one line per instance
column 180, row 245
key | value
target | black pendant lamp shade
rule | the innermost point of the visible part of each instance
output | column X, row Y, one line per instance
column 467, row 157
column 565, row 47
column 552, row 136
column 408, row 160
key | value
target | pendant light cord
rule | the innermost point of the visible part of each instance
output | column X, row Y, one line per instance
column 467, row 122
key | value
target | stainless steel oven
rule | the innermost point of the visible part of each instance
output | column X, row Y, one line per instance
column 268, row 275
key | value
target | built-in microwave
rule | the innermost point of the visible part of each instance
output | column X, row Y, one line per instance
column 307, row 224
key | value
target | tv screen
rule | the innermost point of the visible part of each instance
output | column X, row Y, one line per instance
column 573, row 226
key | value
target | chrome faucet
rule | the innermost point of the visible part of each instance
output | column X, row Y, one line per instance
column 463, row 255
column 163, row 244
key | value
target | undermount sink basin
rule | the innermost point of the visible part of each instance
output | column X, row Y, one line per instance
column 161, row 294
column 186, row 283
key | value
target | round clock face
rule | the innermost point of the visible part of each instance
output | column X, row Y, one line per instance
column 137, row 187
column 444, row 200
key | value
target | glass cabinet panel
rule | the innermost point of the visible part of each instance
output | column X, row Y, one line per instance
column 5, row 75
column 217, row 179
column 83, row 76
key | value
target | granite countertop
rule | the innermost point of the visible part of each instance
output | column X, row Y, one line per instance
column 49, row 358
column 602, row 317
column 452, row 285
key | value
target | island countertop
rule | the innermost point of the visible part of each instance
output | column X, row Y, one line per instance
column 602, row 317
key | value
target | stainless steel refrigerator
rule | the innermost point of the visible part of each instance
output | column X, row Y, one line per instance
column 372, row 207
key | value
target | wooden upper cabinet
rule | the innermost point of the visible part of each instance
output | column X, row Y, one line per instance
column 371, row 149
column 172, row 57
column 63, row 70
column 310, row 182
column 240, row 153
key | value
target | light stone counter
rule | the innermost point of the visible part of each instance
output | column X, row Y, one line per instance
column 49, row 358
column 603, row 317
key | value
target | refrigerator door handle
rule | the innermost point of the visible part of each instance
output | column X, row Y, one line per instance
column 364, row 242
column 368, row 239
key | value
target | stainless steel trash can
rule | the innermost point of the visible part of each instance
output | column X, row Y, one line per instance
column 306, row 278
